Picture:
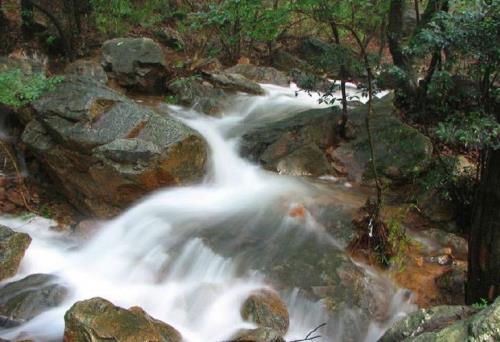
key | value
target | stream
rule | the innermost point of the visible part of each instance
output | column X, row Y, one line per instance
column 190, row 256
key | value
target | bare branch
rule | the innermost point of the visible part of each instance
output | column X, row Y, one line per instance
column 309, row 336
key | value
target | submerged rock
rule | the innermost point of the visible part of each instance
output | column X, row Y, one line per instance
column 98, row 320
column 266, row 309
column 448, row 324
column 260, row 74
column 136, row 63
column 105, row 151
column 13, row 245
column 24, row 299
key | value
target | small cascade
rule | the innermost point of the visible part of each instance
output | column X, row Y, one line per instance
column 190, row 256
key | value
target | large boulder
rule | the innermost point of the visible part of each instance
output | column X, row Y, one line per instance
column 13, row 245
column 209, row 94
column 24, row 299
column 200, row 94
column 400, row 151
column 235, row 83
column 294, row 145
column 137, row 63
column 260, row 74
column 105, row 151
column 98, row 320
column 424, row 320
column 448, row 324
column 266, row 309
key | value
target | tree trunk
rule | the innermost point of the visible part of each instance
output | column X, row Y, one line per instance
column 27, row 16
column 484, row 238
column 3, row 19
column 395, row 36
column 343, row 76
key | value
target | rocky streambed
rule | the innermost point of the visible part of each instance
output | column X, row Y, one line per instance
column 224, row 217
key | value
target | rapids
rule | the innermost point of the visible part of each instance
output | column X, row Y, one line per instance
column 155, row 254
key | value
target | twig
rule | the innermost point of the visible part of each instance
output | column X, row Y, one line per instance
column 309, row 336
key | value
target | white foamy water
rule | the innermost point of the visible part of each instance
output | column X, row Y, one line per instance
column 163, row 253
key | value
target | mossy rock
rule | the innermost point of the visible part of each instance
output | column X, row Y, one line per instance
column 98, row 320
column 401, row 151
column 13, row 245
column 448, row 324
column 266, row 309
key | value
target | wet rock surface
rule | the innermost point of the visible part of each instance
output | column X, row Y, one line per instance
column 448, row 323
column 209, row 93
column 266, row 309
column 136, row 63
column 105, row 151
column 24, row 299
column 99, row 320
column 434, row 318
column 258, row 335
column 199, row 94
column 13, row 245
column 291, row 141
column 400, row 150
column 260, row 74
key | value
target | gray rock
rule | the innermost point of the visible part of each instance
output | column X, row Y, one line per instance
column 105, row 150
column 136, row 63
column 210, row 93
column 260, row 74
column 13, row 245
column 400, row 150
column 448, row 324
column 24, row 299
column 235, row 83
column 307, row 160
column 431, row 319
column 199, row 94
column 88, row 68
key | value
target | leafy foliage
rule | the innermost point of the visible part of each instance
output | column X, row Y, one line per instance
column 115, row 17
column 17, row 89
column 241, row 23
column 471, row 130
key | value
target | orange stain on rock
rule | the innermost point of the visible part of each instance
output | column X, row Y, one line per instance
column 298, row 211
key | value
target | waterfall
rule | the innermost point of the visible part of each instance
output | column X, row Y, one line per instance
column 161, row 254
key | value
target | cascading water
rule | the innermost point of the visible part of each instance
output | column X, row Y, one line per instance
column 181, row 253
